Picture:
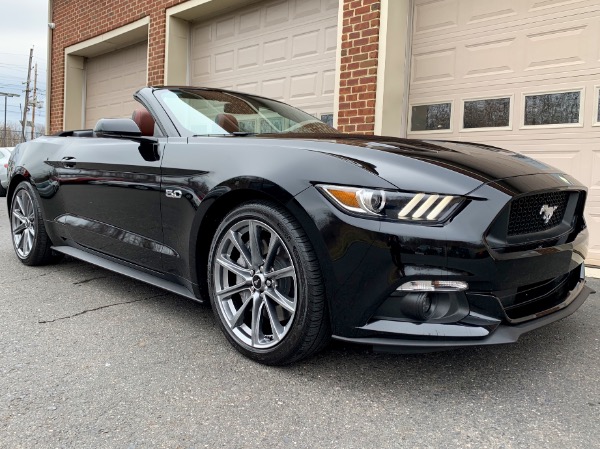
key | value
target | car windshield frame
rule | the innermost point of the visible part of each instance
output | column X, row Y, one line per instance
column 195, row 112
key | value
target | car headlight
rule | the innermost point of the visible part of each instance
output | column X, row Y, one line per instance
column 406, row 206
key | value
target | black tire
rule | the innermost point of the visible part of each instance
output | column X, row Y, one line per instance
column 2, row 192
column 308, row 327
column 40, row 252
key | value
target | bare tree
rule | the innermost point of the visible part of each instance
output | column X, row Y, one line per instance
column 14, row 135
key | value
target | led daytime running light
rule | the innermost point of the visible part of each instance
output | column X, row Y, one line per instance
column 431, row 204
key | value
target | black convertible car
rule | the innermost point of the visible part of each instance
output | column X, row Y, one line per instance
column 297, row 233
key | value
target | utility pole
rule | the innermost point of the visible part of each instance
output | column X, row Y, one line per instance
column 27, row 95
column 34, row 103
column 6, row 95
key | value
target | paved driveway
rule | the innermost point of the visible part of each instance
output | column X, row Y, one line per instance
column 90, row 359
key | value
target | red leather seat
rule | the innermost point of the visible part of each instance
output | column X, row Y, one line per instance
column 228, row 122
column 144, row 121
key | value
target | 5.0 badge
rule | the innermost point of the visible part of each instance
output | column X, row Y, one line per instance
column 173, row 193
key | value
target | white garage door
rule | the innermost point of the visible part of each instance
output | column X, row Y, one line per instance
column 280, row 49
column 111, row 80
column 519, row 74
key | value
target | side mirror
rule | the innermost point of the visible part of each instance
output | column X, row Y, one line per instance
column 117, row 127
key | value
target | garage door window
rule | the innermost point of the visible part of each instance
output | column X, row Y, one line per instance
column 486, row 113
column 431, row 117
column 327, row 118
column 560, row 108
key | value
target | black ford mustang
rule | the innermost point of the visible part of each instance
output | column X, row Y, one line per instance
column 296, row 233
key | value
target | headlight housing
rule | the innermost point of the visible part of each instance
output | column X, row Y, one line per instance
column 406, row 206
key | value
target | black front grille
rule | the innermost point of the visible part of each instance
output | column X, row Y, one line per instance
column 527, row 213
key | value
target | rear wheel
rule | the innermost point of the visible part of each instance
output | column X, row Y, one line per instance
column 266, row 287
column 2, row 191
column 30, row 240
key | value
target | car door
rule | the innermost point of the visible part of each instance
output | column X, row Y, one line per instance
column 110, row 188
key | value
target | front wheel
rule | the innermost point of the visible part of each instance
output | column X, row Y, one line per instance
column 30, row 240
column 266, row 287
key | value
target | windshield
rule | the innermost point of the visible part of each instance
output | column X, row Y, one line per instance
column 212, row 112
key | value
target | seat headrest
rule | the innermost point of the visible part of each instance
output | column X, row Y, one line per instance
column 228, row 122
column 144, row 121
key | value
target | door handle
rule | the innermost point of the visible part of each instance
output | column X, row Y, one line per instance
column 68, row 162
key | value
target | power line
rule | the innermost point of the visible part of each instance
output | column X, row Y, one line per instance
column 21, row 54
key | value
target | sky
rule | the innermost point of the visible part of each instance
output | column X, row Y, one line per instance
column 23, row 24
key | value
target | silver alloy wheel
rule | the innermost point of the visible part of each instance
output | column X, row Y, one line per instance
column 23, row 223
column 255, row 283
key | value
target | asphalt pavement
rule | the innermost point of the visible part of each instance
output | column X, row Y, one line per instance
column 92, row 359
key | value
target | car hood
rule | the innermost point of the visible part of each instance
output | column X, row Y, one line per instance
column 416, row 165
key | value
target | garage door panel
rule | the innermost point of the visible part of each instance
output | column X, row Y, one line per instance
column 489, row 58
column 250, row 21
column 249, row 56
column 201, row 67
column 452, row 18
column 594, row 184
column 224, row 62
column 328, row 82
column 303, row 86
column 249, row 88
column 298, row 42
column 569, row 161
column 283, row 49
column 275, row 51
column 295, row 86
column 332, row 5
column 434, row 65
column 277, row 88
column 111, row 80
column 202, row 34
column 480, row 12
column 531, row 53
column 306, row 8
column 305, row 44
column 557, row 47
column 544, row 5
column 433, row 16
column 225, row 28
column 277, row 13
column 280, row 52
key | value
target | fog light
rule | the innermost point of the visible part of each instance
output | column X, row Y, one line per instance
column 418, row 306
column 433, row 286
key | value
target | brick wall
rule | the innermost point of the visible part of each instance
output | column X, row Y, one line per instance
column 80, row 20
column 358, row 70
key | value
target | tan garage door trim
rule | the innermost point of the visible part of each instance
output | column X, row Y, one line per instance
column 395, row 36
column 74, row 88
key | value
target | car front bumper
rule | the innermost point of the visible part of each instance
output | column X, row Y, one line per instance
column 510, row 292
column 435, row 337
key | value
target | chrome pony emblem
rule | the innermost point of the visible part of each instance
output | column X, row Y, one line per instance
column 546, row 212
